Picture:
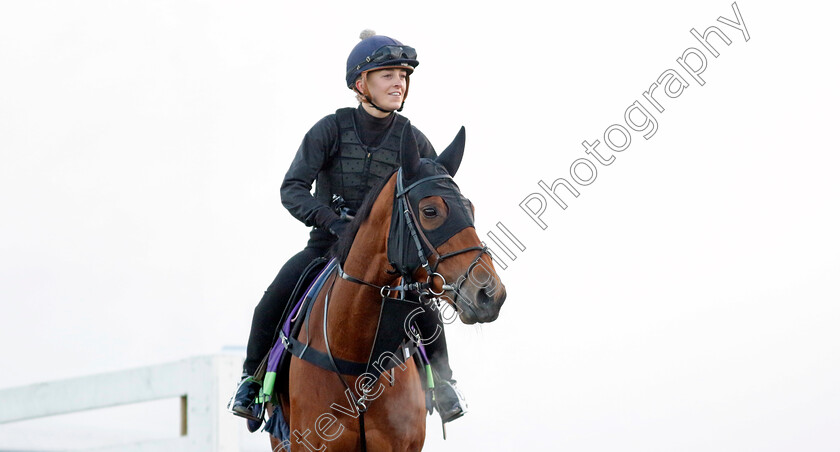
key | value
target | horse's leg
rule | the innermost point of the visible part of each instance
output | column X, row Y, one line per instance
column 396, row 420
column 276, row 445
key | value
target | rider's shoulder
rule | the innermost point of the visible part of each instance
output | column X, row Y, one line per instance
column 326, row 126
column 332, row 120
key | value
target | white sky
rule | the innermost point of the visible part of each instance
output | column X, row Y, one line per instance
column 687, row 300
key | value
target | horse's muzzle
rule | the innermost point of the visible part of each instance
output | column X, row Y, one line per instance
column 480, row 305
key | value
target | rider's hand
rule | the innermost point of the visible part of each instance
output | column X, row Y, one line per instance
column 338, row 227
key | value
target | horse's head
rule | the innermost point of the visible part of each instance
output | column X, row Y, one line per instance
column 433, row 236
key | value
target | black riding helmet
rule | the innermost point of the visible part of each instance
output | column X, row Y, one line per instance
column 379, row 52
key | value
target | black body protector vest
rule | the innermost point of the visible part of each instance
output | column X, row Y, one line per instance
column 354, row 169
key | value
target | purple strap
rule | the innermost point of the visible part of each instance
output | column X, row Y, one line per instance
column 278, row 349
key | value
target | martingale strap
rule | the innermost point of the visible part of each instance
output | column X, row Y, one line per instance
column 327, row 361
column 322, row 360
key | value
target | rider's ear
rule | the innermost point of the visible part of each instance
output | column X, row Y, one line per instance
column 409, row 155
column 360, row 85
column 451, row 157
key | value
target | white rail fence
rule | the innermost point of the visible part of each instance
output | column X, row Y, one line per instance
column 204, row 385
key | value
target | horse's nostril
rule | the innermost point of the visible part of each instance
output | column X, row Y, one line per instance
column 483, row 297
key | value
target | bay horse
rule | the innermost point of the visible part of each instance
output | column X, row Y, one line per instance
column 413, row 234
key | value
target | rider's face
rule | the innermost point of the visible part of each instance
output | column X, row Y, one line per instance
column 387, row 87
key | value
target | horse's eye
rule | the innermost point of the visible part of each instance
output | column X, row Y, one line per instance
column 429, row 212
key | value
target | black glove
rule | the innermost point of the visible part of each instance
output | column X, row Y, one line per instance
column 338, row 227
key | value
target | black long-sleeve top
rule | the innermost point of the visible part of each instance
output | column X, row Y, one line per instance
column 319, row 145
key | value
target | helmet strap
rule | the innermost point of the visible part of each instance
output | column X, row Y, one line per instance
column 370, row 101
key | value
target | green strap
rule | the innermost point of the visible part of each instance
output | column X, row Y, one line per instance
column 267, row 387
column 430, row 380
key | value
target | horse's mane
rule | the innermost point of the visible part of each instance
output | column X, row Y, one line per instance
column 341, row 248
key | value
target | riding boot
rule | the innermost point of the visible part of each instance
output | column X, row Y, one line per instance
column 449, row 401
column 244, row 402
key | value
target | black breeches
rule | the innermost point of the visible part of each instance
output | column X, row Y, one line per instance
column 270, row 308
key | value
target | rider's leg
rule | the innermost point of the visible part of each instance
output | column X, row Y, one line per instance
column 264, row 323
column 450, row 402
column 271, row 306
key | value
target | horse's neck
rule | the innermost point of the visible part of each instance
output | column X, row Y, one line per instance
column 354, row 308
column 368, row 257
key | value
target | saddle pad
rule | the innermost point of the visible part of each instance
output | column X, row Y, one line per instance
column 278, row 351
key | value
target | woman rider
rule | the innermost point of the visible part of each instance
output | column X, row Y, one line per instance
column 346, row 153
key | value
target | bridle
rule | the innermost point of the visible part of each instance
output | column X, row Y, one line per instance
column 423, row 289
